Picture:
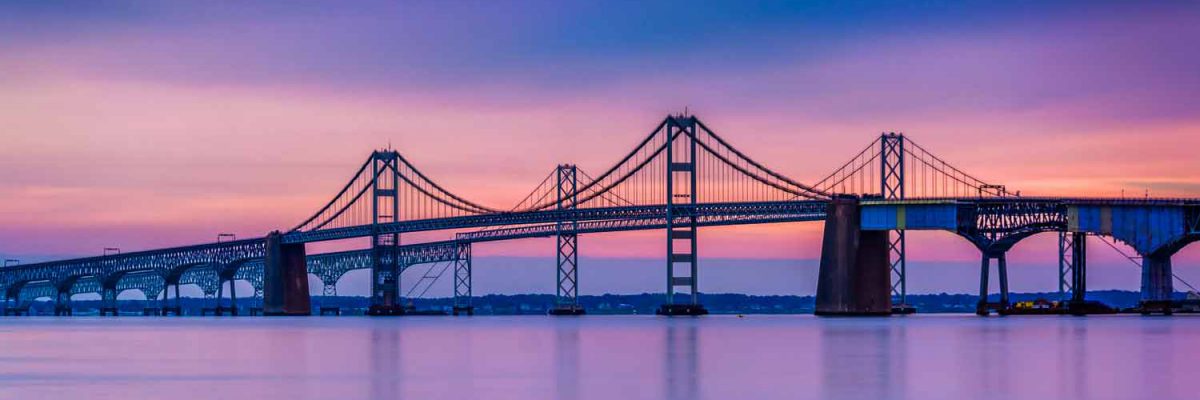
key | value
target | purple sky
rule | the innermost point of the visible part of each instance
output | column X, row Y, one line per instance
column 146, row 124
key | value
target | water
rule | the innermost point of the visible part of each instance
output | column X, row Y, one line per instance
column 601, row 357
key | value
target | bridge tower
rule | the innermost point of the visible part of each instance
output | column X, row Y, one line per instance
column 462, row 279
column 891, row 186
column 566, row 299
column 1072, row 267
column 681, row 216
column 385, row 247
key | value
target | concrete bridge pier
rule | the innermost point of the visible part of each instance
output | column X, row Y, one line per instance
column 1157, row 286
column 218, row 308
column 983, row 307
column 167, row 309
column 855, row 275
column 12, row 303
column 15, row 309
column 232, row 310
column 285, row 280
column 62, row 307
column 108, row 299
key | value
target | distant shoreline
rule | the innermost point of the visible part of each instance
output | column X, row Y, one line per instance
column 614, row 304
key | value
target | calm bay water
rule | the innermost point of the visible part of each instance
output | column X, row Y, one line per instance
column 601, row 357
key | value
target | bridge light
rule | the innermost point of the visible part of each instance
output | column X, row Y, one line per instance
column 230, row 236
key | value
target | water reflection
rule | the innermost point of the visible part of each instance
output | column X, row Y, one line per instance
column 681, row 359
column 383, row 363
column 598, row 357
column 1072, row 348
column 566, row 362
column 862, row 362
column 992, row 357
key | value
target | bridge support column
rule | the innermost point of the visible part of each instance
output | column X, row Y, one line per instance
column 1157, row 286
column 256, row 282
column 1072, row 268
column 167, row 309
column 566, row 298
column 233, row 307
column 108, row 299
column 566, row 301
column 892, row 187
column 682, row 259
column 285, row 278
column 983, row 307
column 385, row 283
column 62, row 303
column 855, row 275
column 386, row 262
column 221, row 310
column 329, row 281
column 898, row 262
column 14, row 308
column 462, row 281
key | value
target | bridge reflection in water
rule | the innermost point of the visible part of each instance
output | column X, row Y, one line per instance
column 679, row 178
column 602, row 357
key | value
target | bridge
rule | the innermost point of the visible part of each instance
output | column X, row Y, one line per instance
column 680, row 177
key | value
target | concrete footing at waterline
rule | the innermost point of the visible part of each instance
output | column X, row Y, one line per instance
column 681, row 310
column 285, row 283
column 567, row 310
column 854, row 278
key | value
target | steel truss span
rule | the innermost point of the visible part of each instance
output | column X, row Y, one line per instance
column 679, row 177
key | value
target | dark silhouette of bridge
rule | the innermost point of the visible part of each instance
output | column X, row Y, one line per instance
column 680, row 177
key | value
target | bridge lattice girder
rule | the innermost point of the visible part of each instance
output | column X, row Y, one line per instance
column 994, row 225
column 150, row 283
column 171, row 264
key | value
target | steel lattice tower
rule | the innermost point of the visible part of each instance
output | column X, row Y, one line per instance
column 386, row 265
column 1072, row 266
column 891, row 186
column 681, row 199
column 566, row 300
column 462, row 279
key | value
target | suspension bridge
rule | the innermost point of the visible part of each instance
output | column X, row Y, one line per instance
column 679, row 178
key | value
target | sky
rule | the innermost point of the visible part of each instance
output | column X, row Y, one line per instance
column 149, row 124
